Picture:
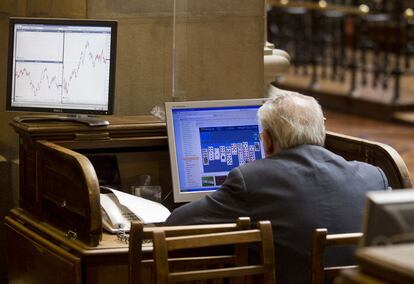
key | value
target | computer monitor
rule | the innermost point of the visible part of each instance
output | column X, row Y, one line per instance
column 389, row 218
column 61, row 66
column 209, row 138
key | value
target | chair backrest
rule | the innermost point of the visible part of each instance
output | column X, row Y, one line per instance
column 138, row 234
column 374, row 153
column 174, row 266
column 321, row 240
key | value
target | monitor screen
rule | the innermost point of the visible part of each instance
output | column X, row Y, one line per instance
column 61, row 65
column 209, row 138
column 389, row 218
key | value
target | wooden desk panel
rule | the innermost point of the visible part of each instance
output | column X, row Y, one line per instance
column 41, row 253
column 33, row 259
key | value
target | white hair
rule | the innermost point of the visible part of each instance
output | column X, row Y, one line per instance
column 292, row 119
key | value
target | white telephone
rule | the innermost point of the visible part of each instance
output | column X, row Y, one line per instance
column 120, row 208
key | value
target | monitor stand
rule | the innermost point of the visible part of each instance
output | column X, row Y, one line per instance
column 88, row 120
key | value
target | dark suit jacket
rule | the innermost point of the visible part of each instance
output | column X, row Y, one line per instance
column 297, row 190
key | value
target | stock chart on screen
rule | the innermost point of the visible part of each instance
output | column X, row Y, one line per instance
column 61, row 65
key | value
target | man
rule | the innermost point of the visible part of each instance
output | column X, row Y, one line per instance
column 299, row 186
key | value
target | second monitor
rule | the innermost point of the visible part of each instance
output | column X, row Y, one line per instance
column 207, row 139
column 62, row 66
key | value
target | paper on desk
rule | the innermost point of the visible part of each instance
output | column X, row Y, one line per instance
column 147, row 210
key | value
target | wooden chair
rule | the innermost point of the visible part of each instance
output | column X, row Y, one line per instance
column 374, row 153
column 172, row 267
column 141, row 265
column 322, row 240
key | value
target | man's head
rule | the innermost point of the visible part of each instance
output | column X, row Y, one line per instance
column 291, row 119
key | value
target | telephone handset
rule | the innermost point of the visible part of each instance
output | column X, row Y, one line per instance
column 120, row 208
column 115, row 216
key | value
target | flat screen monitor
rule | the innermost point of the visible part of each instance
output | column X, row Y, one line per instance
column 209, row 138
column 61, row 66
column 389, row 218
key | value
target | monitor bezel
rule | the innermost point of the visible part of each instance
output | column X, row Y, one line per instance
column 377, row 201
column 113, row 24
column 179, row 196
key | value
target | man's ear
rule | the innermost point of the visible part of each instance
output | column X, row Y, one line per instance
column 267, row 142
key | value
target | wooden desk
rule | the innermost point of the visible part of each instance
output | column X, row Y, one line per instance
column 58, row 224
column 139, row 134
column 39, row 252
column 56, row 234
column 388, row 264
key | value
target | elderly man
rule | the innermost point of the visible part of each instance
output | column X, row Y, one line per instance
column 299, row 186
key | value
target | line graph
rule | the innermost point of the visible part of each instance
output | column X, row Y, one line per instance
column 68, row 68
column 86, row 57
column 44, row 78
column 33, row 78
